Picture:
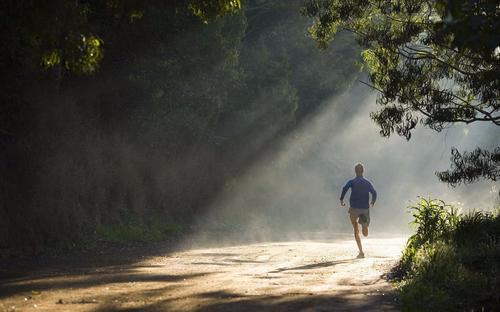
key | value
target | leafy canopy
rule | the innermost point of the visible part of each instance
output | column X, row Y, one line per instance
column 433, row 62
column 69, row 34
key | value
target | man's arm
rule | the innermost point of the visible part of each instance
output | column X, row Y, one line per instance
column 344, row 191
column 374, row 194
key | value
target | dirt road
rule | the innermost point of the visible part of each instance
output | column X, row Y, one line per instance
column 282, row 276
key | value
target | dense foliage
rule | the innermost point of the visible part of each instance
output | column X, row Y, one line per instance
column 126, row 118
column 471, row 166
column 452, row 261
column 433, row 62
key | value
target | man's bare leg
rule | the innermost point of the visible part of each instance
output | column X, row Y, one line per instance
column 365, row 229
column 354, row 221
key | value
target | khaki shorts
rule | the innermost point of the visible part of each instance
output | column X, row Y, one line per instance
column 362, row 214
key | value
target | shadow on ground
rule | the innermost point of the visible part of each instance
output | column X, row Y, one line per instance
column 87, row 280
column 313, row 266
column 226, row 301
column 293, row 276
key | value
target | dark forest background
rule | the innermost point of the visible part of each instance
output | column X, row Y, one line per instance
column 135, row 114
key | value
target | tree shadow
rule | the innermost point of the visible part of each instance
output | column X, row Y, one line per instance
column 105, row 255
column 340, row 302
column 227, row 262
column 313, row 266
column 90, row 279
column 227, row 301
column 211, row 263
column 216, row 254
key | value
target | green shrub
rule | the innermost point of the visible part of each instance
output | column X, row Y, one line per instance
column 438, row 281
column 433, row 221
column 155, row 229
column 452, row 261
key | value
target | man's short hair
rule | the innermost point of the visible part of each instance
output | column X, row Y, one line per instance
column 359, row 168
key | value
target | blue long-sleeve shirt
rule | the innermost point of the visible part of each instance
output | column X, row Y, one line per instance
column 360, row 189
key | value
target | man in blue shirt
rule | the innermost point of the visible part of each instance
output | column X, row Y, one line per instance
column 359, row 203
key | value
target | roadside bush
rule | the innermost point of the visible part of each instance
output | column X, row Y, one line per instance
column 439, row 281
column 451, row 262
column 434, row 220
column 153, row 229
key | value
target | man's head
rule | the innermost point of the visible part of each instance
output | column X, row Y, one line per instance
column 359, row 168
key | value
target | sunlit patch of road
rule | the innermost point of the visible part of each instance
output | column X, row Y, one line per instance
column 314, row 275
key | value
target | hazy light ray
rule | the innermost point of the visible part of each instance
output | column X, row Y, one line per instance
column 299, row 181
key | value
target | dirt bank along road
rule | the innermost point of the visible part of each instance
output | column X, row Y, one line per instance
column 320, row 275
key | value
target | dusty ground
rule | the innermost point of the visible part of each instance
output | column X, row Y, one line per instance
column 319, row 275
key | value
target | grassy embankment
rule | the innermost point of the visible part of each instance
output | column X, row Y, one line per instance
column 452, row 261
column 148, row 230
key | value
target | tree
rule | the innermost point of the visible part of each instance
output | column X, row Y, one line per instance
column 68, row 33
column 433, row 62
column 175, row 104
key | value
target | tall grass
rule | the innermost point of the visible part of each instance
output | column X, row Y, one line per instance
column 140, row 232
column 452, row 261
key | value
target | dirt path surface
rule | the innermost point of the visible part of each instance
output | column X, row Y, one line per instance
column 283, row 276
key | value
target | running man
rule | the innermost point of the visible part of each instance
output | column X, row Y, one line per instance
column 359, row 203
